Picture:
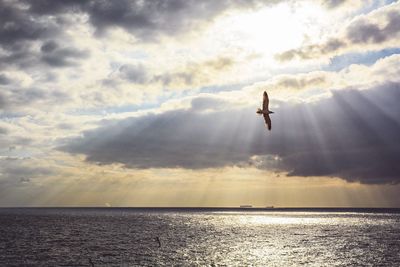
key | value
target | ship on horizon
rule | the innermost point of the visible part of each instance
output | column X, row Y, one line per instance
column 248, row 206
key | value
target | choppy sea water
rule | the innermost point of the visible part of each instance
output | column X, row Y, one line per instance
column 128, row 237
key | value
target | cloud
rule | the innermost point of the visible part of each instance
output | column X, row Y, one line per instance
column 3, row 130
column 27, row 39
column 146, row 20
column 313, row 85
column 49, row 60
column 352, row 135
column 56, row 56
column 68, row 49
column 196, row 73
column 4, row 79
column 17, row 171
column 134, row 73
column 374, row 31
column 362, row 31
column 20, row 99
column 333, row 4
column 16, row 26
column 193, row 74
column 48, row 55
column 49, row 7
column 14, row 134
column 301, row 81
column 56, row 45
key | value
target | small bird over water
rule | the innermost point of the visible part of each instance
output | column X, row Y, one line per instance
column 265, row 111
column 158, row 241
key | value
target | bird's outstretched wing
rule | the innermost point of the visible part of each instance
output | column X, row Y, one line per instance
column 265, row 101
column 267, row 121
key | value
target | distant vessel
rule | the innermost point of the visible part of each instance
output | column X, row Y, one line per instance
column 246, row 206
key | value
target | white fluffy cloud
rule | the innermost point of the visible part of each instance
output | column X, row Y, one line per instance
column 376, row 30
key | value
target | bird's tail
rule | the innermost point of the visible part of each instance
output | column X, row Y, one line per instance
column 259, row 111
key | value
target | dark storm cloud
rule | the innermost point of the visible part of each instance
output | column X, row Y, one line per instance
column 361, row 31
column 353, row 135
column 22, row 59
column 20, row 33
column 49, row 46
column 55, row 56
column 49, row 7
column 29, row 58
column 21, row 29
column 16, row 25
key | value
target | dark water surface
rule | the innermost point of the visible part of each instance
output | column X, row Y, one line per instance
column 127, row 237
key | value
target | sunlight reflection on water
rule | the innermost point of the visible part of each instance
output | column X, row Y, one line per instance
column 303, row 218
column 268, row 220
column 126, row 238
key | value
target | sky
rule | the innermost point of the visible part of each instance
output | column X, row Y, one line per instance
column 152, row 103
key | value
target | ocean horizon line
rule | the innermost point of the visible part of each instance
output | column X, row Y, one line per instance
column 221, row 208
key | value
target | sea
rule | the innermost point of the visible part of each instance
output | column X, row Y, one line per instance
column 199, row 237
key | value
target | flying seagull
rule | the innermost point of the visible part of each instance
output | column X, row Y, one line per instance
column 158, row 241
column 265, row 111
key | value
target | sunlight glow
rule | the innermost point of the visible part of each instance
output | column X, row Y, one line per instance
column 270, row 30
column 280, row 218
